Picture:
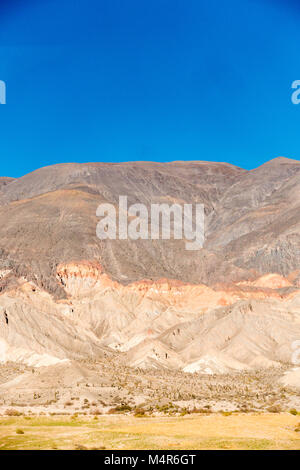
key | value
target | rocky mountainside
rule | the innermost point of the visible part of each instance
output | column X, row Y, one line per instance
column 251, row 225
column 150, row 304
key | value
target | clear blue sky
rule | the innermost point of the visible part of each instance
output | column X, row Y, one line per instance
column 161, row 80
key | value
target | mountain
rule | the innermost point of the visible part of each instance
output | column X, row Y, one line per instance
column 49, row 216
column 67, row 297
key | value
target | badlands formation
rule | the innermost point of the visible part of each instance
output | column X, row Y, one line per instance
column 89, row 324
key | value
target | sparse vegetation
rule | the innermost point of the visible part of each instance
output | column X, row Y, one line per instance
column 12, row 412
column 193, row 431
column 139, row 413
column 19, row 431
column 169, row 392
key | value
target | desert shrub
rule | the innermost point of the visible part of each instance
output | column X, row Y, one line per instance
column 12, row 412
column 119, row 409
column 164, row 408
column 200, row 410
column 139, row 412
column 124, row 407
column 226, row 413
column 274, row 409
column 80, row 447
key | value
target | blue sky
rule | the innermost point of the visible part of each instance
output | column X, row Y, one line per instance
column 160, row 80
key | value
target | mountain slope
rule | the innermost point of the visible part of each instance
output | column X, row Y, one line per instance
column 233, row 305
column 251, row 224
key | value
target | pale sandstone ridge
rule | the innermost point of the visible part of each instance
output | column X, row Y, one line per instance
column 151, row 324
column 272, row 281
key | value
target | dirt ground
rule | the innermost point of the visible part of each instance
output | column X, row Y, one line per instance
column 213, row 431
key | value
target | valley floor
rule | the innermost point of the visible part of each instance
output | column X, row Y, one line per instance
column 214, row 431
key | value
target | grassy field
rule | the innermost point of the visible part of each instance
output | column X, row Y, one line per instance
column 237, row 431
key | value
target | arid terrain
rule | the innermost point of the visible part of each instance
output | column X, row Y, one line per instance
column 190, row 432
column 145, row 328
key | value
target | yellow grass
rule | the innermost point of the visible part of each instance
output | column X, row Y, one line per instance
column 214, row 431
